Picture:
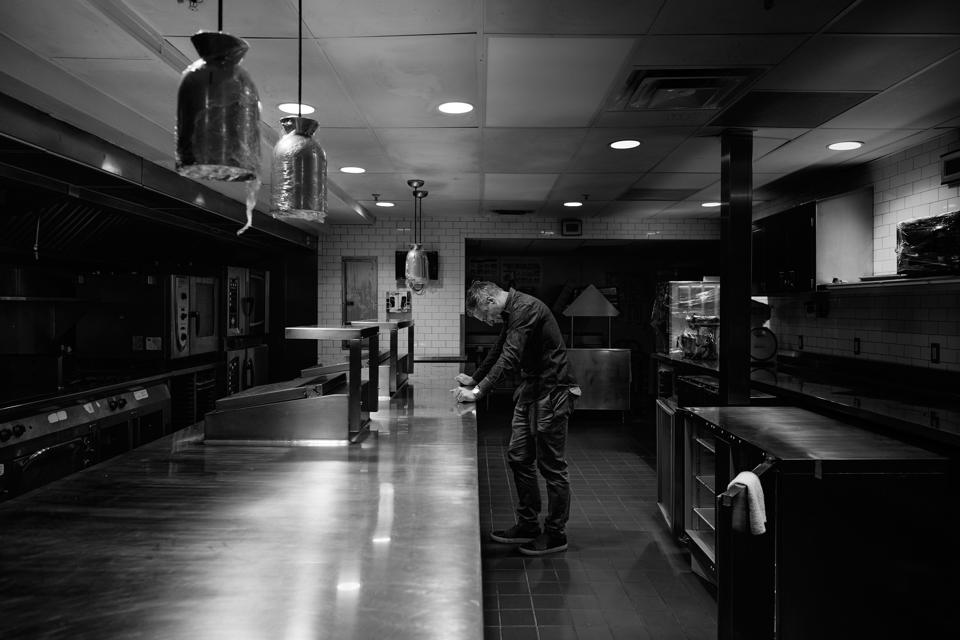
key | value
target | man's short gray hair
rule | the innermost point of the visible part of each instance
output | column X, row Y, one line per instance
column 479, row 291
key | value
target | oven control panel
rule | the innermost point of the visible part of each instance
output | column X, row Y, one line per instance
column 181, row 297
column 49, row 420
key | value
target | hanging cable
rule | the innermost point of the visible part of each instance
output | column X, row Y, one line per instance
column 300, row 58
column 220, row 15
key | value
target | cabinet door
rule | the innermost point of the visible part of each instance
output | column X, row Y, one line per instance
column 784, row 248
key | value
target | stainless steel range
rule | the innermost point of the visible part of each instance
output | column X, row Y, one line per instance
column 47, row 441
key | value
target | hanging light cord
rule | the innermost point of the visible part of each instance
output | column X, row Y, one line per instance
column 299, row 58
column 220, row 15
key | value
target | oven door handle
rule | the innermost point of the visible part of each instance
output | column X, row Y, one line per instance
column 36, row 455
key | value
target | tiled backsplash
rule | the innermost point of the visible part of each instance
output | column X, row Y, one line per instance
column 894, row 324
column 436, row 313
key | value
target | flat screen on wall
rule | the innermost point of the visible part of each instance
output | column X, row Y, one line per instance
column 432, row 257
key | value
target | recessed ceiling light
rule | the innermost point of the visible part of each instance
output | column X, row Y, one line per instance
column 709, row 204
column 353, row 170
column 384, row 204
column 573, row 204
column 625, row 144
column 455, row 107
column 845, row 146
column 292, row 108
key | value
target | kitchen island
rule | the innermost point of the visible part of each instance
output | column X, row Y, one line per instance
column 180, row 539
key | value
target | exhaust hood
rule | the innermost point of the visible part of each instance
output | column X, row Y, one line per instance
column 92, row 184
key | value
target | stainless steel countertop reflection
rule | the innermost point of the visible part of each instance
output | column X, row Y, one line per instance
column 181, row 540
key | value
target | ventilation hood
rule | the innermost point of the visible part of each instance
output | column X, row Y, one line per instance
column 88, row 187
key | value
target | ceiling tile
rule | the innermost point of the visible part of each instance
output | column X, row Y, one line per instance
column 522, row 187
column 633, row 210
column 400, row 82
column 348, row 18
column 569, row 16
column 856, row 63
column 244, row 18
column 788, row 109
column 702, row 155
column 530, row 150
column 713, row 51
column 550, row 82
column 428, row 151
column 709, row 16
column 354, row 148
column 928, row 16
column 926, row 100
column 54, row 28
column 659, row 180
column 554, row 209
column 597, row 186
column 596, row 156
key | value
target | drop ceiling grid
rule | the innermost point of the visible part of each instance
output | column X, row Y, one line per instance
column 400, row 81
column 549, row 81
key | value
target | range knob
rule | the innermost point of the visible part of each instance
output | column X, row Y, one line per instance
column 5, row 434
column 121, row 402
column 18, row 430
column 112, row 403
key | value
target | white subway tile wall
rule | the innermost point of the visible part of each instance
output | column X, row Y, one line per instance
column 894, row 324
column 436, row 313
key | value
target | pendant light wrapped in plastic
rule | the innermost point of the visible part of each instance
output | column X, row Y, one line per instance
column 218, row 112
column 417, row 266
column 299, row 188
column 417, row 269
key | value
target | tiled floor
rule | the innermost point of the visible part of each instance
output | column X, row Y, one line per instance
column 623, row 576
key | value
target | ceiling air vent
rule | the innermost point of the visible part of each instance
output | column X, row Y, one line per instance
column 656, row 89
column 512, row 212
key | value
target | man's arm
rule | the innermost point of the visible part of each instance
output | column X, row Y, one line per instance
column 492, row 356
column 514, row 339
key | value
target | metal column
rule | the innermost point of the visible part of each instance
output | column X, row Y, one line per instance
column 736, row 221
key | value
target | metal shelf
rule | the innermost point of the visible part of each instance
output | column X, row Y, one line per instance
column 708, row 515
column 709, row 482
column 706, row 445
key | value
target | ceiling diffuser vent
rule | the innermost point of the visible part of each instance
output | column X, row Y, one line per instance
column 648, row 89
column 512, row 212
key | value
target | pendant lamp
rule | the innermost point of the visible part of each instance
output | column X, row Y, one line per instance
column 218, row 111
column 299, row 184
column 417, row 268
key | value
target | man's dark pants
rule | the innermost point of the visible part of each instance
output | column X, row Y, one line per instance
column 538, row 440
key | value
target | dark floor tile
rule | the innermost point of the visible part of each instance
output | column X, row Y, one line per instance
column 553, row 617
column 517, row 618
column 557, row 633
column 519, row 633
column 491, row 633
column 594, row 633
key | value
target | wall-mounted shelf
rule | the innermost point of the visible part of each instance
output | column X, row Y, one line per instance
column 891, row 281
column 39, row 299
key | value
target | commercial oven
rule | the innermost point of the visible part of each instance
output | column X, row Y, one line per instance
column 247, row 305
column 246, row 367
column 193, row 315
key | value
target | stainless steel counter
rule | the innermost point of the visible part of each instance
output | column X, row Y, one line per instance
column 181, row 540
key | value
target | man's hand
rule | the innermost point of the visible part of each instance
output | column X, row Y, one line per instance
column 465, row 380
column 463, row 394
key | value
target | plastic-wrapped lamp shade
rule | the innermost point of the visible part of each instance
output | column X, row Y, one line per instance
column 416, row 270
column 299, row 187
column 218, row 112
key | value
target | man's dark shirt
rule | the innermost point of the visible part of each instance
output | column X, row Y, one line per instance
column 530, row 342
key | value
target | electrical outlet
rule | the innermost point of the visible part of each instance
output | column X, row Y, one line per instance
column 799, row 342
column 935, row 352
column 856, row 346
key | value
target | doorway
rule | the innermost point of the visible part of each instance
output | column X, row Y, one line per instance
column 359, row 289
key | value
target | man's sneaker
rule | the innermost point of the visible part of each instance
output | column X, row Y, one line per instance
column 516, row 534
column 546, row 543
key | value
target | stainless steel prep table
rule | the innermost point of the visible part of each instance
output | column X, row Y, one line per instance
column 181, row 540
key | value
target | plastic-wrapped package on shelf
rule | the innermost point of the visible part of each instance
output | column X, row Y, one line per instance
column 686, row 318
column 929, row 246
